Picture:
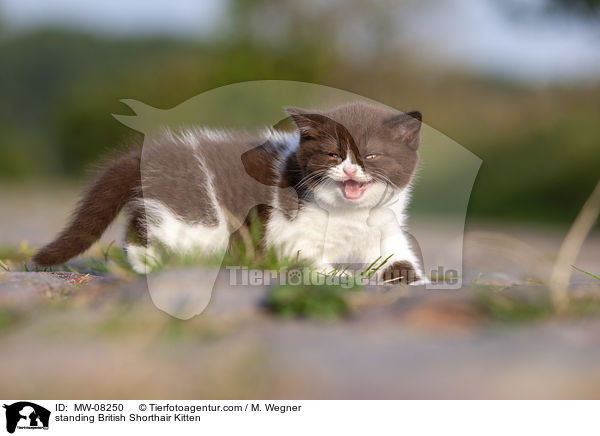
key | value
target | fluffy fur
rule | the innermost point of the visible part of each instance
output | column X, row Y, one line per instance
column 332, row 191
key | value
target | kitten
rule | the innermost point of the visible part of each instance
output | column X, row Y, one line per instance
column 330, row 192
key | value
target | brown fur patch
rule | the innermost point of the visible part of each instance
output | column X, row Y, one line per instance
column 117, row 185
column 400, row 272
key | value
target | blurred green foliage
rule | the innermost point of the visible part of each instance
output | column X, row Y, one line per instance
column 327, row 302
column 59, row 89
column 540, row 145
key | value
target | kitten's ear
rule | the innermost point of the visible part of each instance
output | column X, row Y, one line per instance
column 407, row 128
column 299, row 116
column 293, row 111
column 416, row 115
column 309, row 123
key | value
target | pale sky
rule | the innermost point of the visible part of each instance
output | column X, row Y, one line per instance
column 478, row 34
column 176, row 17
column 469, row 33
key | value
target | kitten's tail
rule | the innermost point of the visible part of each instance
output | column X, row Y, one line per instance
column 118, row 184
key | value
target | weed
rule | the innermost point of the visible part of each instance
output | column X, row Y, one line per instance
column 525, row 305
column 327, row 302
column 585, row 272
column 513, row 307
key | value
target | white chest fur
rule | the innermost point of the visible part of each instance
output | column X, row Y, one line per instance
column 338, row 237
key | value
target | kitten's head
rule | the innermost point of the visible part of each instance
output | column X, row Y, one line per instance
column 357, row 155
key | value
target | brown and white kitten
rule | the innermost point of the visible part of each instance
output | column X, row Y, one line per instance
column 335, row 191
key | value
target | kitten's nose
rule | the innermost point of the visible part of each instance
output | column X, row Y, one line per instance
column 350, row 171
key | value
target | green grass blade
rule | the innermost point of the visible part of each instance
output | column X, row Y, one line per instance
column 370, row 266
column 372, row 273
column 585, row 272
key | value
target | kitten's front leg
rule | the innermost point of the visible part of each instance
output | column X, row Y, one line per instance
column 402, row 272
column 403, row 265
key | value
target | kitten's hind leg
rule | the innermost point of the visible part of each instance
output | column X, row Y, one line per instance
column 142, row 258
column 181, row 261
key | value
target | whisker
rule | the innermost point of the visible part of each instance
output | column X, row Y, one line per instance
column 310, row 177
column 385, row 178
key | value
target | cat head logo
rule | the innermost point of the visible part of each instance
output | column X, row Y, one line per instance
column 25, row 415
column 435, row 222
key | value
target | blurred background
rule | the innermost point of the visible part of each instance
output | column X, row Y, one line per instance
column 515, row 82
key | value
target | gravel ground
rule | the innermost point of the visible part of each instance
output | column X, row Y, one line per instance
column 71, row 335
column 107, row 340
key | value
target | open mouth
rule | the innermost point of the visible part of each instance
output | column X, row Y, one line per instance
column 354, row 190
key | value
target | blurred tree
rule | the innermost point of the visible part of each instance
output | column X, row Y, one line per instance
column 582, row 7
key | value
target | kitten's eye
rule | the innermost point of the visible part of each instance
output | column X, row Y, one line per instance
column 371, row 156
column 337, row 156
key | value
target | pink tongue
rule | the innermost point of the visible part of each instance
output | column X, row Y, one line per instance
column 352, row 189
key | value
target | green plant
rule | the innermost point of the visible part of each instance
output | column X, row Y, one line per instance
column 513, row 307
column 585, row 272
column 327, row 302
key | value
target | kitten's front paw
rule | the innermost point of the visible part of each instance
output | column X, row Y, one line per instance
column 401, row 272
